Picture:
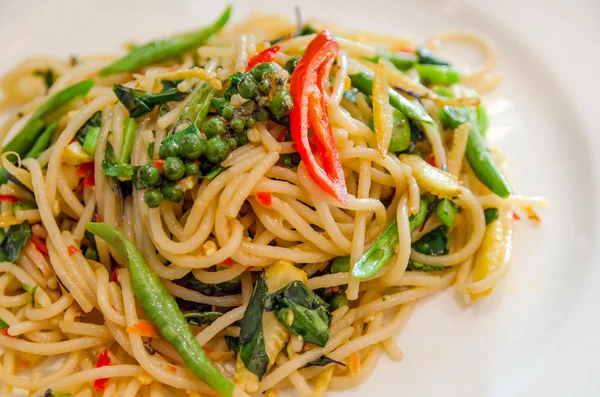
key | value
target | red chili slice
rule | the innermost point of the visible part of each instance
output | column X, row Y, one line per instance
column 264, row 198
column 310, row 111
column 264, row 56
column 103, row 361
column 39, row 244
column 72, row 250
column 9, row 198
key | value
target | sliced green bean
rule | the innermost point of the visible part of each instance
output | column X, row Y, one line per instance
column 363, row 81
column 385, row 246
column 43, row 142
column 129, row 128
column 438, row 74
column 401, row 60
column 162, row 50
column 31, row 131
column 446, row 210
column 482, row 118
column 162, row 310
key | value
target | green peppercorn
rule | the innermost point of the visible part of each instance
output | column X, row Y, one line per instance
column 261, row 115
column 227, row 112
column 263, row 70
column 217, row 150
column 214, row 127
column 149, row 175
column 173, row 168
column 192, row 146
column 153, row 197
column 168, row 148
column 282, row 103
column 192, row 168
column 237, row 124
column 171, row 192
column 232, row 143
column 337, row 301
column 264, row 86
column 247, row 108
column 247, row 87
column 291, row 64
column 92, row 254
column 250, row 123
column 242, row 138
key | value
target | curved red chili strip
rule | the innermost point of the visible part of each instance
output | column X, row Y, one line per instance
column 310, row 111
column 264, row 56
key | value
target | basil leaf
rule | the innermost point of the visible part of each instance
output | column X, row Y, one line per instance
column 110, row 166
column 234, row 80
column 302, row 312
column 252, row 341
column 434, row 243
column 94, row 121
column 233, row 343
column 47, row 75
column 16, row 238
column 491, row 214
column 214, row 172
column 225, row 288
column 140, row 102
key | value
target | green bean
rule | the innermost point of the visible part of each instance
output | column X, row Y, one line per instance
column 196, row 108
column 429, row 58
column 385, row 246
column 446, row 210
column 483, row 165
column 129, row 127
column 401, row 60
column 491, row 214
column 91, row 140
column 482, row 118
column 162, row 310
column 363, row 81
column 34, row 127
column 43, row 142
column 162, row 50
column 438, row 74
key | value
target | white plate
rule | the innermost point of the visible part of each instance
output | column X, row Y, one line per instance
column 537, row 334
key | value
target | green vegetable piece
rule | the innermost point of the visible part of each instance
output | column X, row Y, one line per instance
column 282, row 103
column 290, row 160
column 92, row 254
column 482, row 118
column 264, row 70
column 168, row 148
column 265, row 86
column 261, row 115
column 491, row 214
column 401, row 134
column 291, row 64
column 31, row 291
column 43, row 142
column 401, row 60
column 94, row 121
column 129, row 128
column 162, row 310
column 214, row 127
column 110, row 166
column 196, row 108
column 192, row 146
column 26, row 138
column 3, row 325
column 191, row 168
column 48, row 77
column 140, row 102
column 214, row 172
column 171, row 192
column 309, row 316
column 416, row 266
column 452, row 117
column 23, row 206
column 201, row 318
column 337, row 301
column 341, row 264
column 483, row 165
column 217, row 150
column 237, row 124
column 252, row 341
column 434, row 243
column 438, row 74
column 173, row 168
column 151, row 150
column 384, row 248
column 14, row 241
column 234, row 81
column 162, row 50
column 446, row 210
column 247, row 87
column 427, row 57
column 228, row 112
column 363, row 81
column 91, row 140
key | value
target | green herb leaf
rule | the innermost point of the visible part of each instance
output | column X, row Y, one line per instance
column 302, row 312
column 234, row 80
column 23, row 205
column 48, row 76
column 214, row 172
column 201, row 318
column 446, row 210
column 110, row 166
column 233, row 343
column 434, row 243
column 252, row 342
column 16, row 238
column 140, row 102
column 93, row 122
column 491, row 214
column 3, row 325
column 151, row 150
column 221, row 289
column 323, row 361
column 26, row 138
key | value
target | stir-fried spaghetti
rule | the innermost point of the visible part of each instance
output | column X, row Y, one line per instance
column 238, row 210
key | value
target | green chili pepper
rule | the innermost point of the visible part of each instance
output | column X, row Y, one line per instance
column 26, row 138
column 363, row 81
column 384, row 248
column 401, row 60
column 162, row 310
column 483, row 165
column 43, row 141
column 161, row 50
column 438, row 74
